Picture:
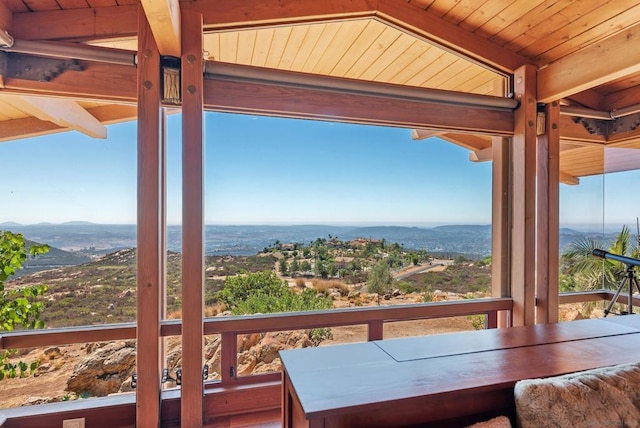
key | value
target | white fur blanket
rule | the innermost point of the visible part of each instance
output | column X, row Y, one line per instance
column 605, row 397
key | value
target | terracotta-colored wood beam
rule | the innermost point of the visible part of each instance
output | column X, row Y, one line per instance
column 149, row 247
column 624, row 98
column 101, row 82
column 6, row 18
column 164, row 19
column 523, row 197
column 610, row 59
column 548, row 213
column 192, row 220
column 76, row 24
column 327, row 105
column 501, row 223
column 576, row 132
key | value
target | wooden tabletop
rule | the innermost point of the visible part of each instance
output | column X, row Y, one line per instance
column 348, row 378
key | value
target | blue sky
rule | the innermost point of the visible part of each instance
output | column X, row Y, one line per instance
column 262, row 170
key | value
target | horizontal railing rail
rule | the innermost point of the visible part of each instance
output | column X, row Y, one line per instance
column 241, row 324
column 230, row 327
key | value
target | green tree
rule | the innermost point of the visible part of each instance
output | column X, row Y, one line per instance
column 283, row 266
column 592, row 273
column 18, row 306
column 263, row 292
column 380, row 279
column 295, row 266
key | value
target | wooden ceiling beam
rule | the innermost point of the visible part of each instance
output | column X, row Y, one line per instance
column 268, row 99
column 6, row 17
column 588, row 99
column 120, row 21
column 622, row 98
column 420, row 22
column 64, row 113
column 76, row 24
column 34, row 127
column 575, row 132
column 569, row 179
column 613, row 58
column 483, row 155
column 102, row 82
column 468, row 141
column 164, row 20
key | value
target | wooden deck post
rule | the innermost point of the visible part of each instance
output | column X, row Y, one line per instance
column 523, row 198
column 150, row 217
column 501, row 224
column 192, row 221
column 548, row 217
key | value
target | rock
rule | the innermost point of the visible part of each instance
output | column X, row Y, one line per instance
column 396, row 292
column 42, row 369
column 353, row 294
column 247, row 341
column 31, row 401
column 52, row 353
column 104, row 371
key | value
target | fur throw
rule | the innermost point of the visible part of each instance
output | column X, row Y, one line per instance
column 604, row 397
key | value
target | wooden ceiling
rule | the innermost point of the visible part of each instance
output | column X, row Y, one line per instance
column 587, row 54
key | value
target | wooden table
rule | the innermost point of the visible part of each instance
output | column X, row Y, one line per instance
column 446, row 379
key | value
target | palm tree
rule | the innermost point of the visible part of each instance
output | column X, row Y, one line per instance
column 593, row 273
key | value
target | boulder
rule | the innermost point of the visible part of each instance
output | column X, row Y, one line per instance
column 103, row 371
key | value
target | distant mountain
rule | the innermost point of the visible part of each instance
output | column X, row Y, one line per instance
column 9, row 224
column 55, row 258
column 78, row 223
column 89, row 239
column 464, row 228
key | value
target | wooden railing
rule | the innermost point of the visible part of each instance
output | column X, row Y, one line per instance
column 230, row 327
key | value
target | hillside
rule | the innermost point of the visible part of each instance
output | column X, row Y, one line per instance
column 55, row 258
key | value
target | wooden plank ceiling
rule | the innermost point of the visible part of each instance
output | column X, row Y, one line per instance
column 587, row 54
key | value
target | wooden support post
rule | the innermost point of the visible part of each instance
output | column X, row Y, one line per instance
column 548, row 213
column 500, row 224
column 149, row 252
column 523, row 198
column 192, row 221
column 375, row 330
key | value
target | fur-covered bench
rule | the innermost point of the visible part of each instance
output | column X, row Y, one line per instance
column 603, row 397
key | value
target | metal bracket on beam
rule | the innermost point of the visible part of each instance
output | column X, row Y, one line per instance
column 594, row 126
column 607, row 128
column 626, row 123
column 40, row 69
column 170, row 69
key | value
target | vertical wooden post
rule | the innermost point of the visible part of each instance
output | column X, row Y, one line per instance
column 523, row 192
column 192, row 220
column 149, row 252
column 500, row 224
column 548, row 217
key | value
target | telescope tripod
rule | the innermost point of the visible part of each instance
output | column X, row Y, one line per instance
column 630, row 277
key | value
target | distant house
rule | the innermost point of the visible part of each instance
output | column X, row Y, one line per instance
column 343, row 262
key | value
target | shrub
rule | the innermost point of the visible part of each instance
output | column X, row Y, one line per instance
column 263, row 293
column 18, row 307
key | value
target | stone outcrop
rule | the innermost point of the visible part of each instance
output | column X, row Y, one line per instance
column 104, row 370
column 108, row 367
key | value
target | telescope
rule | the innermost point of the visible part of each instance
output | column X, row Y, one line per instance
column 630, row 278
column 607, row 255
